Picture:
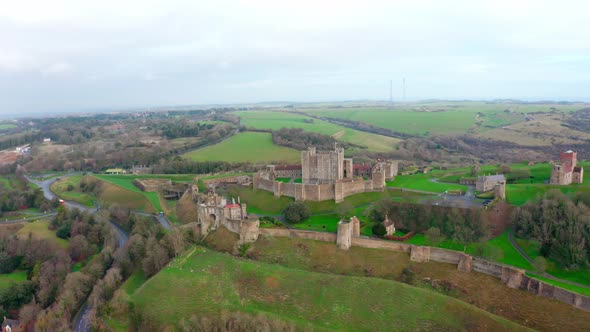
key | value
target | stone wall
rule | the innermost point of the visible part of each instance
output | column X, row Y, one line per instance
column 445, row 256
column 292, row 233
column 263, row 184
column 380, row 244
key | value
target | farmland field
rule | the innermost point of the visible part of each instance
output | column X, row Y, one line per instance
column 245, row 147
column 278, row 120
column 306, row 299
column 444, row 118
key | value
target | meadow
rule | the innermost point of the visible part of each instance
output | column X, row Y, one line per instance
column 246, row 147
column 277, row 120
column 306, row 299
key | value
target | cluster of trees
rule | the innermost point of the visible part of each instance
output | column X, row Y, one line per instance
column 178, row 165
column 178, row 129
column 299, row 139
column 21, row 196
column 19, row 139
column 461, row 225
column 560, row 225
column 296, row 212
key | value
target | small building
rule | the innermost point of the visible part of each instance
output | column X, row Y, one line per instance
column 389, row 226
column 115, row 171
column 10, row 325
column 46, row 140
column 489, row 182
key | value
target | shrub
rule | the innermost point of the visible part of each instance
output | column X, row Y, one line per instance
column 378, row 229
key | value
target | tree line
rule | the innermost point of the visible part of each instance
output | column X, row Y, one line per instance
column 560, row 225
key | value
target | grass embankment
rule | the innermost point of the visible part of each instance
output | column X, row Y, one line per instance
column 60, row 188
column 246, row 147
column 130, row 195
column 210, row 282
column 13, row 277
column 40, row 230
column 277, row 120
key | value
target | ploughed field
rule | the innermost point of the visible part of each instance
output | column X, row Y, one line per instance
column 203, row 281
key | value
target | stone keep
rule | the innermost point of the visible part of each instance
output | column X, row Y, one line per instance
column 323, row 167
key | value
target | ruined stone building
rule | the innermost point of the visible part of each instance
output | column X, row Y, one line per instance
column 567, row 171
column 489, row 182
column 325, row 175
column 214, row 211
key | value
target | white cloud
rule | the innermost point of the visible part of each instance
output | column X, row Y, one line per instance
column 57, row 68
column 339, row 49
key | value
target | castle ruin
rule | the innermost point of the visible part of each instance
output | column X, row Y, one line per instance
column 214, row 211
column 325, row 175
column 567, row 171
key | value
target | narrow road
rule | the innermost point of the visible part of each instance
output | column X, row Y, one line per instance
column 39, row 216
column 82, row 323
column 530, row 260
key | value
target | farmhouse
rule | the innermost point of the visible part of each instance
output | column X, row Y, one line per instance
column 566, row 171
column 325, row 175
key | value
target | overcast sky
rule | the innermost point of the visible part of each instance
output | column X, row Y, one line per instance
column 76, row 55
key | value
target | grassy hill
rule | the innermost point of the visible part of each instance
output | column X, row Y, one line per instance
column 204, row 281
column 245, row 147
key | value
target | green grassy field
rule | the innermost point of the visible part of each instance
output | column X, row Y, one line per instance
column 40, row 230
column 278, row 120
column 264, row 202
column 307, row 299
column 13, row 277
column 423, row 182
column 60, row 186
column 246, row 147
column 6, row 126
